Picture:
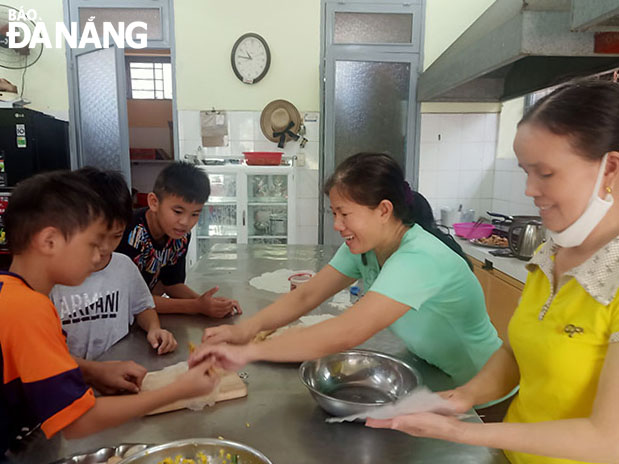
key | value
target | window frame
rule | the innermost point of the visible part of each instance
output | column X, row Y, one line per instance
column 149, row 60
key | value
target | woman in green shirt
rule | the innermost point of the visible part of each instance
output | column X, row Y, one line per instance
column 417, row 280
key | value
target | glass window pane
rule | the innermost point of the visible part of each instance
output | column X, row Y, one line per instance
column 167, row 80
column 134, row 65
column 371, row 108
column 373, row 28
column 141, row 74
column 142, row 94
column 142, row 84
column 151, row 16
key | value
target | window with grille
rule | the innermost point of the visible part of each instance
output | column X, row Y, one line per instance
column 149, row 78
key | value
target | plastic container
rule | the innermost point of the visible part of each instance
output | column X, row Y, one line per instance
column 299, row 278
column 263, row 158
column 470, row 230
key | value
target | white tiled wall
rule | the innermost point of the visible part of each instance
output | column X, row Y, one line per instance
column 244, row 134
column 509, row 186
column 458, row 166
column 457, row 160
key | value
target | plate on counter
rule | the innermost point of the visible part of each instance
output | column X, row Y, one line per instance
column 105, row 455
column 494, row 241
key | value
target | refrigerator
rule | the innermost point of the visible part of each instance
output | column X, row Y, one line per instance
column 30, row 142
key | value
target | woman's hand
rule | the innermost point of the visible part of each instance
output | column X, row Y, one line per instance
column 234, row 334
column 459, row 400
column 229, row 357
column 425, row 424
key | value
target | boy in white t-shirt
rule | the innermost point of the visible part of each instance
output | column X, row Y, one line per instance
column 98, row 313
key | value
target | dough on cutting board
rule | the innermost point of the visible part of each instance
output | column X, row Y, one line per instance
column 166, row 376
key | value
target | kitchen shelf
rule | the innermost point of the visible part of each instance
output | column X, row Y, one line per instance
column 266, row 203
column 248, row 202
column 221, row 201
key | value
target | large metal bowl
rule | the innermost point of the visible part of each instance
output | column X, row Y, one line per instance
column 356, row 380
column 213, row 448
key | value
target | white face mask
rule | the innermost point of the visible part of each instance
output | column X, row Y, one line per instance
column 579, row 230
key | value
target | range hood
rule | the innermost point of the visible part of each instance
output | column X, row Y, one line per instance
column 516, row 47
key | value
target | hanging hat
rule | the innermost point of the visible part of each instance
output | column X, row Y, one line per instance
column 280, row 121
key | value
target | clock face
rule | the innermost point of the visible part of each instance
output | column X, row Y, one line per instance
column 250, row 58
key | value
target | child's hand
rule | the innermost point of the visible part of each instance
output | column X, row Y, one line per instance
column 198, row 380
column 161, row 340
column 114, row 377
column 217, row 307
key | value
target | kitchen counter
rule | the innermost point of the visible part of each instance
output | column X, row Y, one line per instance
column 278, row 417
column 513, row 267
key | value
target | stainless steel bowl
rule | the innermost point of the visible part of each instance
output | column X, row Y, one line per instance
column 211, row 447
column 356, row 380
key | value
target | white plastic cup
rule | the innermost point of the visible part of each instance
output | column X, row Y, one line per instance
column 299, row 278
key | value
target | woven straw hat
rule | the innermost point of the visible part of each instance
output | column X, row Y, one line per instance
column 277, row 116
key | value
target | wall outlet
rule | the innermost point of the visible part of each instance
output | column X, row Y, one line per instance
column 301, row 159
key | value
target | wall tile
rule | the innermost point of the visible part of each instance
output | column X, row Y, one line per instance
column 307, row 235
column 430, row 127
column 449, row 154
column 472, row 158
column 428, row 181
column 451, row 128
column 307, row 211
column 447, row 184
column 502, row 185
column 312, row 127
column 491, row 127
column 428, row 156
column 518, row 185
column 473, row 127
column 307, row 183
column 241, row 125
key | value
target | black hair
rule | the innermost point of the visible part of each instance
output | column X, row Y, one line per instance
column 114, row 191
column 184, row 180
column 60, row 199
column 369, row 178
column 585, row 110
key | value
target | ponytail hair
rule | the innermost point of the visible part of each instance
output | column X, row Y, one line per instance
column 369, row 178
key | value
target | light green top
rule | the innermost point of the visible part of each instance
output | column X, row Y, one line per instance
column 447, row 323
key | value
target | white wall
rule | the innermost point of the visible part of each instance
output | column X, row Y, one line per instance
column 45, row 82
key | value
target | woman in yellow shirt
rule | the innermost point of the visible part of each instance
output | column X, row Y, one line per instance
column 563, row 336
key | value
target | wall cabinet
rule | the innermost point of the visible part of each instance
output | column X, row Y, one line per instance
column 502, row 294
column 247, row 204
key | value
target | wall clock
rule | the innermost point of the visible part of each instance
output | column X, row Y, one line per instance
column 250, row 58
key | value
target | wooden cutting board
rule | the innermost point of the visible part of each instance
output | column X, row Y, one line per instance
column 230, row 387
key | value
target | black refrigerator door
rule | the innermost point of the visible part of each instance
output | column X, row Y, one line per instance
column 31, row 142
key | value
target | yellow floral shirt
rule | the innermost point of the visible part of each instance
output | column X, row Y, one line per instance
column 560, row 339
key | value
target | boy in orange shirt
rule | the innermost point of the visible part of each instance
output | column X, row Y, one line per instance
column 55, row 224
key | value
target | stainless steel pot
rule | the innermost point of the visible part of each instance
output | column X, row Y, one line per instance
column 524, row 236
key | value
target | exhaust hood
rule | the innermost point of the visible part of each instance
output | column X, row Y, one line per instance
column 516, row 47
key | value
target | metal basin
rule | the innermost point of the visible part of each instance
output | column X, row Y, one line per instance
column 216, row 450
column 356, row 380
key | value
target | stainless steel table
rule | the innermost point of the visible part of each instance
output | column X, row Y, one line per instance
column 278, row 416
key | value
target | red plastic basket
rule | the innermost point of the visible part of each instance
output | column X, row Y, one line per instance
column 263, row 158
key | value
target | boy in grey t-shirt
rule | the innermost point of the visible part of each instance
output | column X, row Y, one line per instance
column 98, row 313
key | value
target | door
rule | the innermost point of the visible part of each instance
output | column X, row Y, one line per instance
column 102, row 127
column 371, row 64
